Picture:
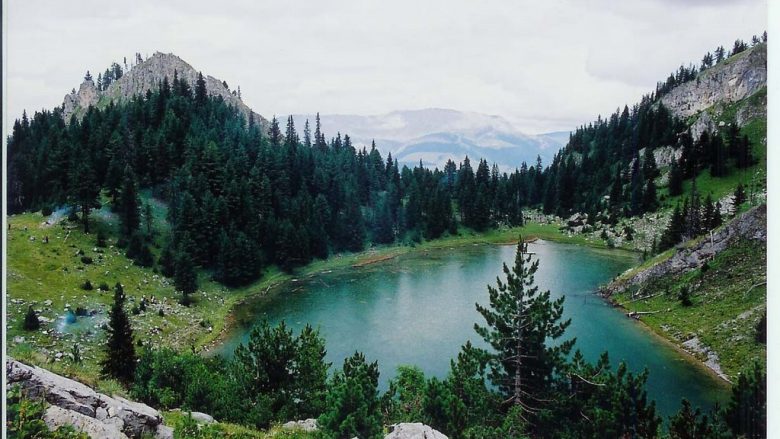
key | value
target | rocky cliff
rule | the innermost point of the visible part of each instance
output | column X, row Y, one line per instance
column 147, row 75
column 750, row 225
column 73, row 403
column 730, row 81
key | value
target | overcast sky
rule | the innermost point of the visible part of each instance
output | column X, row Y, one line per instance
column 545, row 65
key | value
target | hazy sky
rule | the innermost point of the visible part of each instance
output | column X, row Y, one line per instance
column 546, row 65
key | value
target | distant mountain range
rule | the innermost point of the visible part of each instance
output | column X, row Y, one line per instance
column 435, row 135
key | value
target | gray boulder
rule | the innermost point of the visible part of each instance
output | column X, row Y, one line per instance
column 56, row 417
column 73, row 403
column 414, row 430
column 307, row 425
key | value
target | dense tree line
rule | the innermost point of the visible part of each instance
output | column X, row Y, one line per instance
column 241, row 197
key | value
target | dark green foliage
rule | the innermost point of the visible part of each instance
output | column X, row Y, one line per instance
column 128, row 205
column 684, row 296
column 691, row 424
column 31, row 322
column 185, row 278
column 87, row 285
column 275, row 377
column 746, row 413
column 100, row 239
column 119, row 359
column 238, row 260
column 405, row 400
column 353, row 407
column 718, row 157
column 103, row 286
column 86, row 259
column 739, row 198
column 168, row 380
column 591, row 401
column 521, row 323
column 138, row 250
column 281, row 376
column 761, row 330
column 675, row 180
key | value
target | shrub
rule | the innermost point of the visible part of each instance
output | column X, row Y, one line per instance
column 87, row 285
column 103, row 286
column 684, row 296
column 86, row 260
column 31, row 322
column 101, row 239
column 46, row 211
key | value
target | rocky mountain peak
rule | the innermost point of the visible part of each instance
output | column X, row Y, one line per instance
column 147, row 75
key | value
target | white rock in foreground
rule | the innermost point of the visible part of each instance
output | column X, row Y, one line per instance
column 73, row 403
column 307, row 425
column 414, row 430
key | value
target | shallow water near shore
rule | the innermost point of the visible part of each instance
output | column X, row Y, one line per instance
column 419, row 309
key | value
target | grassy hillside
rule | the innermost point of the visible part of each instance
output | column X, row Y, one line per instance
column 728, row 298
column 50, row 278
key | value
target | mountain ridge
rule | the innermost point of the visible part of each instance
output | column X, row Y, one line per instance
column 147, row 75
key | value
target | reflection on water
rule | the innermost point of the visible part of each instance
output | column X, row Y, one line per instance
column 419, row 309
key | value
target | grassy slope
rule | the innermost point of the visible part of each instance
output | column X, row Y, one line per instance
column 728, row 301
column 39, row 272
column 756, row 174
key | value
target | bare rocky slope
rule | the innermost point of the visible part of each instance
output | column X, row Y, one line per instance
column 703, row 99
column 147, row 75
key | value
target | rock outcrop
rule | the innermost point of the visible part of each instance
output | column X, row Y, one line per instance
column 414, row 431
column 729, row 81
column 87, row 95
column 73, row 403
column 307, row 425
column 750, row 225
column 148, row 75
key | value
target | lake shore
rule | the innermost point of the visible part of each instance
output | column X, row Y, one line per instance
column 275, row 278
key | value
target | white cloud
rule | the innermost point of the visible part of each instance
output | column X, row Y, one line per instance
column 544, row 65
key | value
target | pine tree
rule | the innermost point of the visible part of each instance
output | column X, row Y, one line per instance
column 185, row 276
column 720, row 54
column 353, row 407
column 200, row 90
column 311, row 374
column 689, row 424
column 119, row 361
column 129, row 205
column 674, row 231
column 746, row 412
column 675, row 179
column 520, row 324
column 649, row 197
column 84, row 190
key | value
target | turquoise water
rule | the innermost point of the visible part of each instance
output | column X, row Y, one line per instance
column 419, row 309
